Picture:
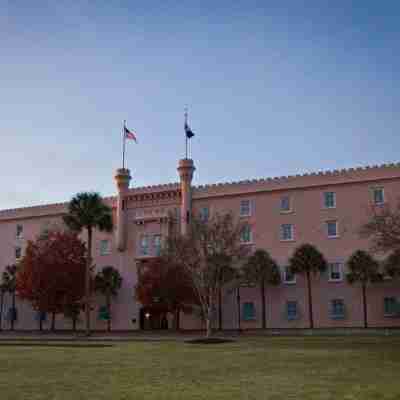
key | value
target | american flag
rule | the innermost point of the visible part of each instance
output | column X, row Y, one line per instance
column 129, row 134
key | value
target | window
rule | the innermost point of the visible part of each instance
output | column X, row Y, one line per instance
column 20, row 231
column 287, row 232
column 249, row 311
column 337, row 309
column 204, row 214
column 335, row 272
column 104, row 247
column 332, row 229
column 379, row 197
column 246, row 235
column 245, row 208
column 329, row 199
column 288, row 275
column 18, row 253
column 285, row 204
column 291, row 310
column 144, row 245
column 157, row 245
column 391, row 306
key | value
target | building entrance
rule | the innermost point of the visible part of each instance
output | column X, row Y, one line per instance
column 153, row 319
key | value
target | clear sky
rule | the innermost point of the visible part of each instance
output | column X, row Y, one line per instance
column 273, row 88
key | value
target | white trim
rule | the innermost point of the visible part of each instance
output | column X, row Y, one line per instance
column 250, row 208
column 290, row 209
column 373, row 189
column 334, row 200
column 341, row 272
column 284, row 280
column 291, row 239
column 107, row 250
column 327, row 228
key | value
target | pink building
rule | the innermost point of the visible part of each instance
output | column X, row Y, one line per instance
column 325, row 209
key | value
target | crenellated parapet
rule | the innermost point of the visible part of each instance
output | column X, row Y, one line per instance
column 313, row 179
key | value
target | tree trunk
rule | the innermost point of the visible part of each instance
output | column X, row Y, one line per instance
column 40, row 321
column 310, row 308
column 220, row 309
column 74, row 323
column 87, row 281
column 364, row 297
column 1, row 309
column 209, row 322
column 177, row 316
column 108, row 301
column 53, row 322
column 263, row 305
column 238, row 308
column 13, row 312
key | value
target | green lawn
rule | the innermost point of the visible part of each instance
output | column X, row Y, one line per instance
column 254, row 368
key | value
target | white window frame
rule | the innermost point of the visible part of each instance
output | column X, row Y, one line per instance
column 330, row 265
column 201, row 214
column 291, row 239
column 334, row 200
column 157, row 247
column 284, row 210
column 285, row 273
column 250, row 241
column 293, row 317
column 337, row 229
column 19, row 235
column 20, row 252
column 393, row 314
column 373, row 195
column 144, row 238
column 105, row 249
column 337, row 316
column 250, row 208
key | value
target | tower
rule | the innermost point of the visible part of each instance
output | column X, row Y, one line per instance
column 122, row 179
column 186, row 169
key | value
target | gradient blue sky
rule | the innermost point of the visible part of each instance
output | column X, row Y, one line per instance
column 273, row 87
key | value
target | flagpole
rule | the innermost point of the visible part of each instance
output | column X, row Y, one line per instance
column 123, row 145
column 186, row 138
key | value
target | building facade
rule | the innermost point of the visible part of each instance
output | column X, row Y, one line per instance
column 325, row 209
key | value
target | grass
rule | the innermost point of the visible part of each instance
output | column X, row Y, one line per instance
column 254, row 368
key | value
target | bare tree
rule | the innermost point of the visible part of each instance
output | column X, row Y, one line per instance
column 209, row 253
column 383, row 228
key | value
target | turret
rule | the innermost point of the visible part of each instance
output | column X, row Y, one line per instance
column 122, row 179
column 186, row 169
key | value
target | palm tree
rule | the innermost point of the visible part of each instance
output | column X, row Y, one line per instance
column 363, row 268
column 86, row 211
column 9, row 280
column 108, row 281
column 307, row 259
column 261, row 269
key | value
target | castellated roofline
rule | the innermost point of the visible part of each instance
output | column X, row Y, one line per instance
column 312, row 179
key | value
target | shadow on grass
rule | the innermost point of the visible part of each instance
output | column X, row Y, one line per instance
column 41, row 344
column 210, row 340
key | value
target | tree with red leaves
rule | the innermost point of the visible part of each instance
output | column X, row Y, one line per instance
column 51, row 276
column 164, row 286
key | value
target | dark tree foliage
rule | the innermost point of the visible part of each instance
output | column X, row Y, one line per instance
column 262, row 270
column 107, row 282
column 87, row 211
column 165, row 286
column 363, row 269
column 307, row 260
column 51, row 275
column 8, row 285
